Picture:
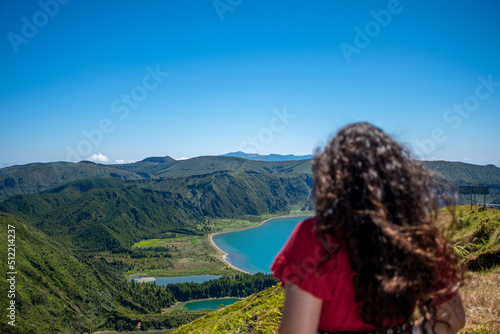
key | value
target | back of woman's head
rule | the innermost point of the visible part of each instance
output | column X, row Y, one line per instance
column 382, row 205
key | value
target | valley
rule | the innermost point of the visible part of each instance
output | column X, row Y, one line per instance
column 85, row 229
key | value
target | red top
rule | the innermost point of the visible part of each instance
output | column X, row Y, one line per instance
column 299, row 262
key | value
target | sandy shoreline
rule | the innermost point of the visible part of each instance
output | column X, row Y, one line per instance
column 224, row 254
column 144, row 279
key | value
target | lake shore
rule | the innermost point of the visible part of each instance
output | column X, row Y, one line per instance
column 223, row 255
column 145, row 279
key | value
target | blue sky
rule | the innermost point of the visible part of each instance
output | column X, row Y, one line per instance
column 119, row 81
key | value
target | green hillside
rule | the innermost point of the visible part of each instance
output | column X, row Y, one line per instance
column 460, row 173
column 112, row 214
column 37, row 177
column 99, row 214
column 58, row 291
column 54, row 289
column 478, row 237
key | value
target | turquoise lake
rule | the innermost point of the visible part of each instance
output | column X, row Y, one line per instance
column 254, row 249
column 211, row 304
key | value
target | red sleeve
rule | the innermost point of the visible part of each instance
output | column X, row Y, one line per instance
column 300, row 260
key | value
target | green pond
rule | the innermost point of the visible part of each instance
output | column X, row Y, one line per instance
column 211, row 304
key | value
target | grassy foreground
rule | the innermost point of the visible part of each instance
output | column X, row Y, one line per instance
column 477, row 238
column 481, row 299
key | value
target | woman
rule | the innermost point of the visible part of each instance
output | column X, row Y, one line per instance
column 373, row 253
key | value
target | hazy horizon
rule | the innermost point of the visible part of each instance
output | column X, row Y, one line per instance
column 118, row 162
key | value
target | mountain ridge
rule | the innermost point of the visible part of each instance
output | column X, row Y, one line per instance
column 38, row 177
column 268, row 157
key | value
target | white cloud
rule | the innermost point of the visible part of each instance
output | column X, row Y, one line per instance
column 183, row 158
column 120, row 161
column 98, row 157
column 467, row 159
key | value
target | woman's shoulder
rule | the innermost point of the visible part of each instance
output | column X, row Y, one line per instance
column 304, row 234
column 307, row 226
column 304, row 261
column 304, row 245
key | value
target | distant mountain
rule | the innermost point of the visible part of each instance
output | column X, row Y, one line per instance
column 159, row 160
column 38, row 177
column 460, row 174
column 270, row 157
column 148, row 167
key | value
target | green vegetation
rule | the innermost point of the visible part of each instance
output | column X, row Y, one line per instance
column 194, row 241
column 60, row 291
column 156, row 242
column 259, row 313
column 477, row 238
column 240, row 285
column 460, row 174
column 37, row 177
column 186, row 257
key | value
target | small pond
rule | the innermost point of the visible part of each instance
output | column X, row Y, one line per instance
column 211, row 304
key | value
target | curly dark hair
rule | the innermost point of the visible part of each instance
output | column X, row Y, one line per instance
column 383, row 206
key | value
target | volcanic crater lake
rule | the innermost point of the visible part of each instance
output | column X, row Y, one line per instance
column 254, row 249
